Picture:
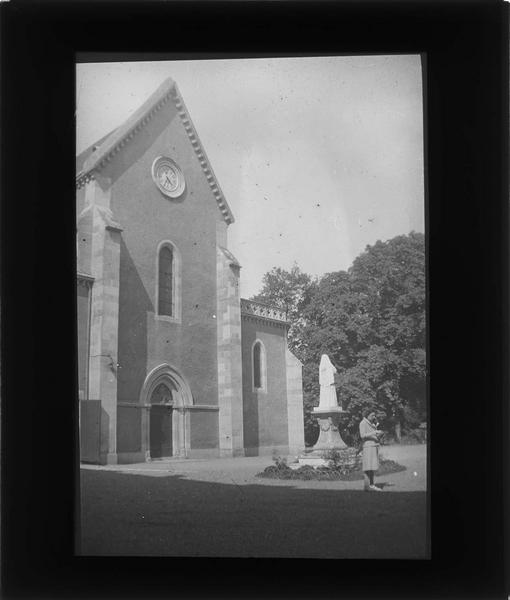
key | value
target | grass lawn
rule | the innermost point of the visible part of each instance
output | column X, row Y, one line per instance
column 136, row 514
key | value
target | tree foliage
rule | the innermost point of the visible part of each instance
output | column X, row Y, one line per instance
column 370, row 320
column 291, row 291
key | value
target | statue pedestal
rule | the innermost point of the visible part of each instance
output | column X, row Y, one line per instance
column 329, row 436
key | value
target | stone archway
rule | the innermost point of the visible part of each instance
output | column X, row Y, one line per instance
column 165, row 409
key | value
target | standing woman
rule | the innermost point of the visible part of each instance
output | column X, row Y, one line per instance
column 370, row 438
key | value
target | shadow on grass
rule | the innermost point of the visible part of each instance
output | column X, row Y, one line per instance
column 137, row 515
column 384, row 484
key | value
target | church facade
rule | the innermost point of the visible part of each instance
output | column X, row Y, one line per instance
column 171, row 360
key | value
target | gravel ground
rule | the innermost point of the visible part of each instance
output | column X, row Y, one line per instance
column 220, row 508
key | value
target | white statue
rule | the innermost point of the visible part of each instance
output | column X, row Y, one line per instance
column 327, row 382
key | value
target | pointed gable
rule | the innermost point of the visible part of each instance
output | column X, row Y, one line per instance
column 84, row 155
column 95, row 158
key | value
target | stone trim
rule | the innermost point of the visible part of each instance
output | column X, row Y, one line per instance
column 202, row 157
column 197, row 407
column 124, row 134
column 104, row 319
column 232, row 260
column 105, row 214
column 229, row 353
column 181, row 433
column 85, row 281
column 295, row 415
column 159, row 375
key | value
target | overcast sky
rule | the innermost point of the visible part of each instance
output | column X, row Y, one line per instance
column 317, row 157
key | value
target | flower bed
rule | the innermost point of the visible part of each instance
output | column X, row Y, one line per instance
column 342, row 472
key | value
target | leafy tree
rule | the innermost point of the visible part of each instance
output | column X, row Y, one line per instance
column 370, row 320
column 392, row 275
column 290, row 291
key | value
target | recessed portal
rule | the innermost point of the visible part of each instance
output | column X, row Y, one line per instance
column 161, row 441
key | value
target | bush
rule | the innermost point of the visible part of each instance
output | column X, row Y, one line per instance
column 415, row 436
column 280, row 462
column 346, row 460
column 411, row 418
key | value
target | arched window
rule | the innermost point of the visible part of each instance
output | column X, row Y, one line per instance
column 259, row 366
column 256, row 367
column 168, row 282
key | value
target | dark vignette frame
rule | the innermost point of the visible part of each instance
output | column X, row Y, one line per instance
column 465, row 46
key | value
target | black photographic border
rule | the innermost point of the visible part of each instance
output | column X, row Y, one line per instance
column 465, row 50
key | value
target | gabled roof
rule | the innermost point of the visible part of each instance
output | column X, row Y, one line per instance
column 104, row 150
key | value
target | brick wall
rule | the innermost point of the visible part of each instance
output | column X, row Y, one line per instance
column 204, row 433
column 265, row 412
column 189, row 222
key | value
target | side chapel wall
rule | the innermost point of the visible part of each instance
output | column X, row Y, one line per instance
column 265, row 411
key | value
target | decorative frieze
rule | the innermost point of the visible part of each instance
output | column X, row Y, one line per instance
column 258, row 310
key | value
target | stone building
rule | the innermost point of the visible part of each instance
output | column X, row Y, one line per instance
column 171, row 361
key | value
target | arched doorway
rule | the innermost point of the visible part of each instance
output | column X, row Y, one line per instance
column 160, row 421
column 166, row 396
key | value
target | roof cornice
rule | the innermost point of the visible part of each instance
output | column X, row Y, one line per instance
column 167, row 91
column 202, row 156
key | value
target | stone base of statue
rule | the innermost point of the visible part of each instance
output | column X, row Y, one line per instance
column 329, row 436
